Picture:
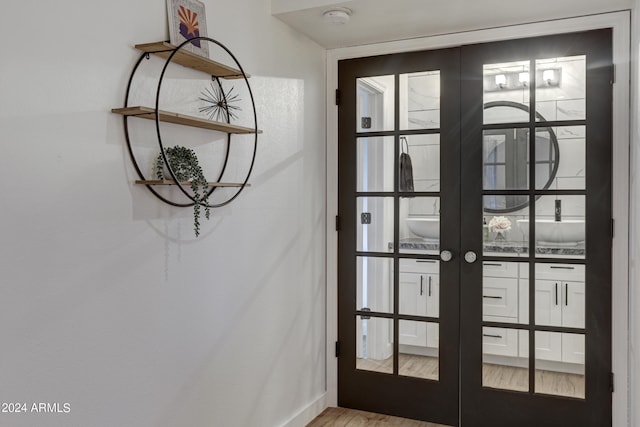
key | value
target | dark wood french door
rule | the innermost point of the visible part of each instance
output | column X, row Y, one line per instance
column 474, row 252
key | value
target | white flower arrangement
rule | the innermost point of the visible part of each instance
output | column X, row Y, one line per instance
column 499, row 223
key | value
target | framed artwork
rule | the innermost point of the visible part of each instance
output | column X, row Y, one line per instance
column 186, row 21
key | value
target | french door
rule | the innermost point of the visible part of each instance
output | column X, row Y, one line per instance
column 475, row 242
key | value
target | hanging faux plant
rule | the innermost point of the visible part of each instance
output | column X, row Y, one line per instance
column 184, row 164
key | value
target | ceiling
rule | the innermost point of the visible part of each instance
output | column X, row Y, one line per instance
column 375, row 21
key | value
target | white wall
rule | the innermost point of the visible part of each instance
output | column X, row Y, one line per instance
column 107, row 302
column 634, row 226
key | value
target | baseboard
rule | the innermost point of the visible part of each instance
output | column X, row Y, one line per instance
column 308, row 413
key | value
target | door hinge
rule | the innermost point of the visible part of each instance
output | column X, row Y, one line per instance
column 337, row 96
column 338, row 223
column 611, row 384
column 613, row 227
column 613, row 74
column 337, row 348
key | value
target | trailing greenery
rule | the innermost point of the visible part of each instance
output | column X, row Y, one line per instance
column 184, row 164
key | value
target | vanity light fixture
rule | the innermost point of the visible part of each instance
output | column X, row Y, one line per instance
column 337, row 15
column 519, row 80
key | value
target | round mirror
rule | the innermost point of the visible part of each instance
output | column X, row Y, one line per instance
column 506, row 158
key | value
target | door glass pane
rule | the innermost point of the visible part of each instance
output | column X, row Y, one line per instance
column 419, row 168
column 547, row 153
column 506, row 159
column 375, row 164
column 419, row 287
column 504, row 366
column 374, row 344
column 375, row 103
column 374, row 284
column 570, row 171
column 374, row 219
column 418, row 349
column 503, row 234
column 560, row 294
column 560, row 226
column 419, row 225
column 420, row 100
column 504, row 297
column 561, row 88
column 506, row 92
column 560, row 364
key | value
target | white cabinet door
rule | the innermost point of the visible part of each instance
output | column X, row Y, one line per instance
column 413, row 301
column 548, row 346
column 573, row 317
column 548, row 313
column 413, row 294
column 433, row 309
column 573, row 305
column 573, row 348
column 548, row 303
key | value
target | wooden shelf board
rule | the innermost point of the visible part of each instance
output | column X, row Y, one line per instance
column 191, row 60
column 182, row 119
column 187, row 183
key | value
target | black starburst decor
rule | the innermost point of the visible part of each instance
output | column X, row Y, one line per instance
column 218, row 104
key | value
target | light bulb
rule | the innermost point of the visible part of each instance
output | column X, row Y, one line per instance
column 548, row 76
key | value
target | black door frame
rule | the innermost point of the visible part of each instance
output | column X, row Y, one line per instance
column 502, row 408
column 394, row 394
column 600, row 321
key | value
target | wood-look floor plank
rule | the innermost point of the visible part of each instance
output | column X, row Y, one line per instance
column 342, row 417
column 493, row 375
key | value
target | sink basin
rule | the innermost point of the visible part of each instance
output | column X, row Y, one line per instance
column 568, row 232
column 424, row 226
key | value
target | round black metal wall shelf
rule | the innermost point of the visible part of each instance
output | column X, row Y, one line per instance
column 179, row 55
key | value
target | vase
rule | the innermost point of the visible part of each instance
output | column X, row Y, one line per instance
column 500, row 238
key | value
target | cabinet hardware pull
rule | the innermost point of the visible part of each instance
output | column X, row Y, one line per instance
column 493, row 264
column 431, row 261
column 491, row 297
column 429, row 285
column 556, row 293
column 562, row 267
column 492, row 336
column 421, row 280
column 566, row 294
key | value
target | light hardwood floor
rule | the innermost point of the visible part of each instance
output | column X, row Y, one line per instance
column 494, row 376
column 342, row 417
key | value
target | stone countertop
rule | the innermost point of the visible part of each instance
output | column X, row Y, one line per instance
column 498, row 247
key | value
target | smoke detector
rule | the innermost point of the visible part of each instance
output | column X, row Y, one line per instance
column 337, row 15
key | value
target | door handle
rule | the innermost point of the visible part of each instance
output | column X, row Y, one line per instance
column 429, row 285
column 470, row 257
column 446, row 256
column 566, row 294
column 491, row 297
column 491, row 336
column 421, row 280
column 556, row 294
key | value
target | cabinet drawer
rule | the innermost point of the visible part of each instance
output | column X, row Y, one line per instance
column 500, row 341
column 500, row 269
column 500, row 297
column 568, row 272
column 426, row 266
